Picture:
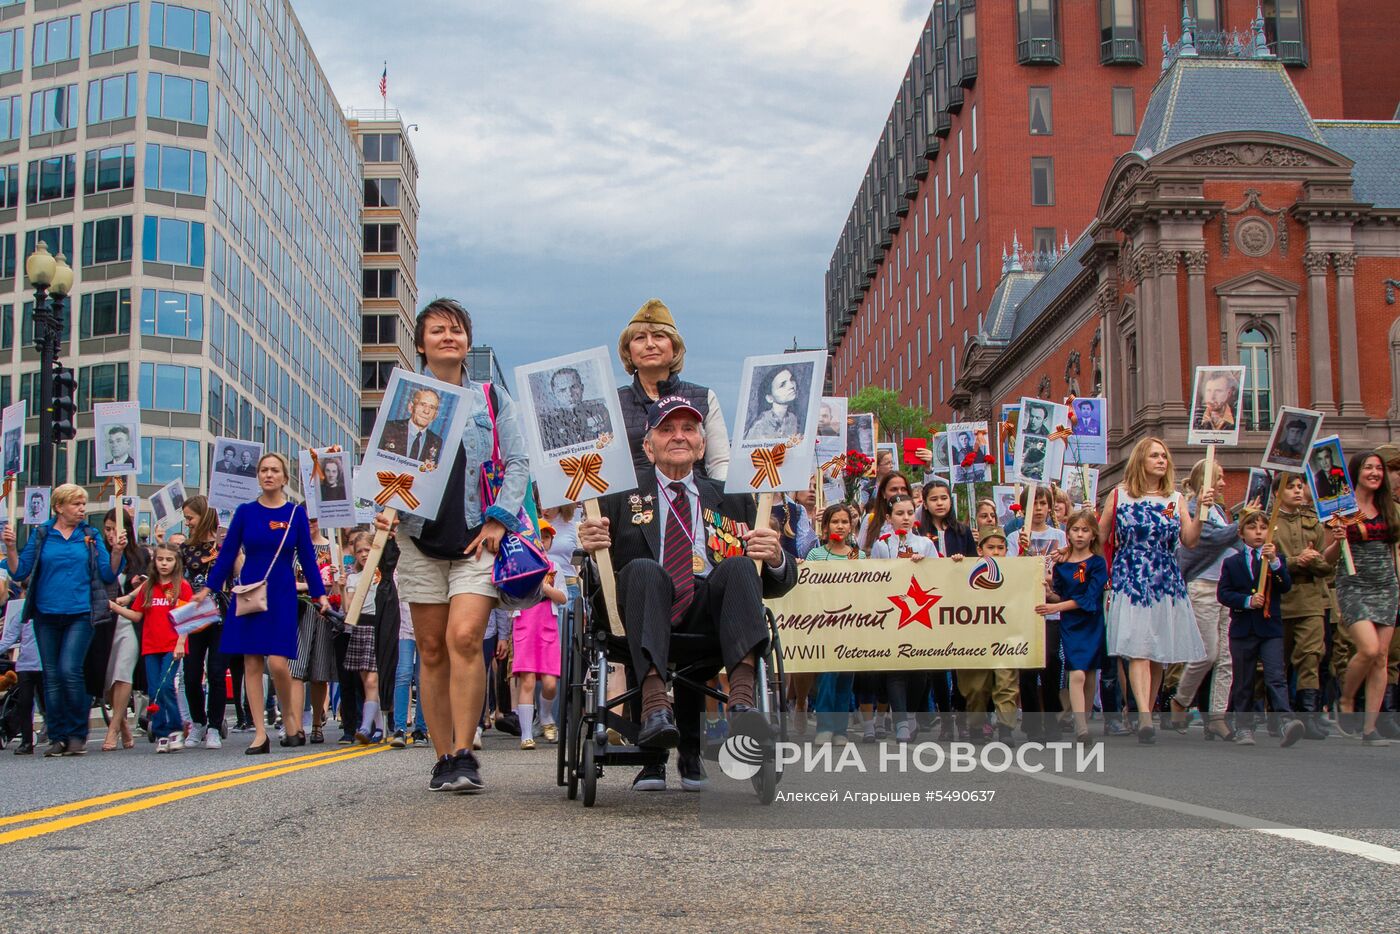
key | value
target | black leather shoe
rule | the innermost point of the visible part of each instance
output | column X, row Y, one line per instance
column 650, row 778
column 750, row 721
column 24, row 749
column 692, row 769
column 659, row 731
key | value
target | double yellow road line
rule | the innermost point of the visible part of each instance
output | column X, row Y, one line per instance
column 64, row 816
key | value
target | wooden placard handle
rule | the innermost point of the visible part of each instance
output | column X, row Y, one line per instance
column 605, row 573
column 762, row 518
column 376, row 552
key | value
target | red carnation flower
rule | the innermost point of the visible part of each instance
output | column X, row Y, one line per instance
column 969, row 458
column 835, row 539
column 1015, row 507
column 990, row 459
column 152, row 709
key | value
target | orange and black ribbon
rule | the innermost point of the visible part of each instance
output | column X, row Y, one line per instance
column 118, row 487
column 9, row 485
column 1062, row 433
column 395, row 484
column 586, row 468
column 838, row 463
column 766, row 462
column 316, row 472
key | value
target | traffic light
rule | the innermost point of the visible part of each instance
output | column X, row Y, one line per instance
column 65, row 385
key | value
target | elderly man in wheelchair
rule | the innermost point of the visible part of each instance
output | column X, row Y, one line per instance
column 685, row 555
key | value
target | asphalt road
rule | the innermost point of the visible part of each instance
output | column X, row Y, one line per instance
column 1186, row 836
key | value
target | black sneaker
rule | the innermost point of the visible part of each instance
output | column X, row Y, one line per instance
column 418, row 738
column 75, row 747
column 56, row 748
column 24, row 749
column 398, row 741
column 468, row 780
column 346, row 739
column 444, row 770
column 650, row 778
column 692, row 769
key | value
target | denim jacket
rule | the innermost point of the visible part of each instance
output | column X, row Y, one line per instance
column 476, row 445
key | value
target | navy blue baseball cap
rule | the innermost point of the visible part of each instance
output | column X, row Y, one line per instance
column 667, row 406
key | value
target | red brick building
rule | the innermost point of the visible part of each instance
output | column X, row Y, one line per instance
column 1010, row 116
column 1238, row 229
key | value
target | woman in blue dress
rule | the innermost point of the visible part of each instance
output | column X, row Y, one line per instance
column 268, row 531
column 1150, row 622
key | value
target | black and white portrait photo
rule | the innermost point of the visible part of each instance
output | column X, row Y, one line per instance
column 36, row 505
column 117, row 434
column 1292, row 439
column 12, row 445
column 569, row 404
column 777, row 402
column 1038, row 419
column 967, row 450
column 233, row 475
column 334, row 485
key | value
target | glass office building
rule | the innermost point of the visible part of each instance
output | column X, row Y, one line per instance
column 193, row 164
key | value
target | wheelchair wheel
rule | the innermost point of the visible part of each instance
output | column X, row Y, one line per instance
column 590, row 773
column 766, row 782
column 562, row 753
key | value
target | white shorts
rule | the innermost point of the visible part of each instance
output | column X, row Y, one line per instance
column 432, row 580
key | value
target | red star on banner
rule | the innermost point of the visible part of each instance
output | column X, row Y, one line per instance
column 922, row 603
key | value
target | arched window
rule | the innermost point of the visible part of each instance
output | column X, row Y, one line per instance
column 1257, row 394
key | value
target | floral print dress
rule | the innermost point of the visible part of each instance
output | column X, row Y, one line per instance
column 1150, row 615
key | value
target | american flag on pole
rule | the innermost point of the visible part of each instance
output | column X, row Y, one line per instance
column 384, row 83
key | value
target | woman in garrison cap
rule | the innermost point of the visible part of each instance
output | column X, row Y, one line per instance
column 653, row 352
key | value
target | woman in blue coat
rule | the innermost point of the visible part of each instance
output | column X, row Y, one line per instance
column 268, row 530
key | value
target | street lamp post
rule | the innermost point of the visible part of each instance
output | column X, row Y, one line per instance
column 52, row 278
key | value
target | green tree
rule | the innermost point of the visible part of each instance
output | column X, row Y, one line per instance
column 896, row 419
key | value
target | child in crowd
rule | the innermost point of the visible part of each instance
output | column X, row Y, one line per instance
column 834, row 688
column 161, row 646
column 360, row 652
column 1077, row 586
column 986, row 517
column 903, row 541
column 1252, row 585
column 979, row 686
column 535, row 640
column 1040, row 685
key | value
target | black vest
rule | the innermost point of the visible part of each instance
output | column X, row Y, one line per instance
column 635, row 404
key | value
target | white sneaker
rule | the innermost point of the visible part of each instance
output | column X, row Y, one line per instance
column 162, row 745
column 476, row 743
column 212, row 740
column 177, row 742
column 196, row 736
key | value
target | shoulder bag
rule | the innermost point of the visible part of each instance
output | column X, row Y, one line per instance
column 521, row 566
column 252, row 598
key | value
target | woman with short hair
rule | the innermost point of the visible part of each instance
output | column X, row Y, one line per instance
column 273, row 533
column 445, row 563
column 71, row 566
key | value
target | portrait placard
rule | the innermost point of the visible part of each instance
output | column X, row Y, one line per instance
column 1295, row 430
column 1332, row 489
column 1010, row 415
column 831, row 444
column 861, row 432
column 1089, row 442
column 117, row 438
column 1004, row 497
column 167, row 504
column 131, row 504
column 364, row 508
column 36, row 505
column 967, row 452
column 1042, row 433
column 775, row 429
column 1215, row 405
column 233, row 477
column 938, row 446
column 1260, row 488
column 418, row 428
column 12, row 447
column 327, row 491
column 1081, row 483
column 573, row 428
column 890, row 615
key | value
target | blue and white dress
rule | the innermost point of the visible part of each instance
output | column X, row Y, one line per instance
column 1150, row 614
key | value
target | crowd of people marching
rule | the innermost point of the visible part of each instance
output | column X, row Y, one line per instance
column 1164, row 607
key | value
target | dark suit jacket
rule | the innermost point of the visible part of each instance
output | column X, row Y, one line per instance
column 395, row 441
column 631, row 541
column 1235, row 589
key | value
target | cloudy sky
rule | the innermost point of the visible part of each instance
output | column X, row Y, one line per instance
column 578, row 158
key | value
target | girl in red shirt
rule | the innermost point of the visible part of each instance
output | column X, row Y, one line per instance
column 161, row 646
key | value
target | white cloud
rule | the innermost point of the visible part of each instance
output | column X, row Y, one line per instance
column 712, row 148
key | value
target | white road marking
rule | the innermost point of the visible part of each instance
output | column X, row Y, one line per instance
column 1371, row 851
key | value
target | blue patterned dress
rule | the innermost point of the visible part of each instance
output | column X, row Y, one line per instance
column 1150, row 615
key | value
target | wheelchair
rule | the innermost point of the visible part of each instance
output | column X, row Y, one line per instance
column 591, row 642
